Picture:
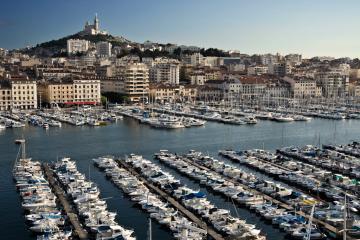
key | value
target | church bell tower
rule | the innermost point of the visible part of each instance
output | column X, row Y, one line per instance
column 96, row 23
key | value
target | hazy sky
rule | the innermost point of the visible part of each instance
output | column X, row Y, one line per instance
column 310, row 27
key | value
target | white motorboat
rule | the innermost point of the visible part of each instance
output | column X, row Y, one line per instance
column 169, row 122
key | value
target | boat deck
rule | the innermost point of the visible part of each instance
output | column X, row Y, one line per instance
column 80, row 232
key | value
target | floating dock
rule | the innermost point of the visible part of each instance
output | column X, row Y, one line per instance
column 79, row 231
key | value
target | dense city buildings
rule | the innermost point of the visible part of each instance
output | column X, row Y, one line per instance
column 149, row 71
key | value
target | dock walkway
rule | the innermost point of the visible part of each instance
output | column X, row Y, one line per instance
column 211, row 232
column 80, row 232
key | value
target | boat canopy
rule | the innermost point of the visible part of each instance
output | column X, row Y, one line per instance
column 194, row 195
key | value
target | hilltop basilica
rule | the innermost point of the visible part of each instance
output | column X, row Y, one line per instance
column 92, row 29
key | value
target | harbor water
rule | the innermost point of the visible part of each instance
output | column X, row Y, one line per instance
column 128, row 136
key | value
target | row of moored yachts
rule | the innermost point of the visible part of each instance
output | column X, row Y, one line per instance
column 150, row 202
column 195, row 201
column 321, row 183
column 91, row 209
column 220, row 181
column 55, row 119
column 326, row 158
column 43, row 215
column 309, row 176
column 162, row 120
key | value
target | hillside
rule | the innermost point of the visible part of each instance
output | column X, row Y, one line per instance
column 57, row 47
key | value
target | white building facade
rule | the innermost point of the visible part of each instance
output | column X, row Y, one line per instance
column 77, row 46
column 103, row 49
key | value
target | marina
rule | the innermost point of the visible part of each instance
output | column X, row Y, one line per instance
column 139, row 191
column 175, row 116
column 105, row 137
column 79, row 231
column 90, row 207
column 307, row 177
column 239, row 189
column 196, row 202
column 236, row 136
column 42, row 211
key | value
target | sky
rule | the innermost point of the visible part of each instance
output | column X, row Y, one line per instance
column 308, row 27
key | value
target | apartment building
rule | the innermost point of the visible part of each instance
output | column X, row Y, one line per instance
column 18, row 93
column 211, row 61
column 163, row 92
column 24, row 93
column 188, row 92
column 57, row 92
column 294, row 59
column 333, row 83
column 278, row 69
column 87, row 90
column 267, row 59
column 354, row 89
column 257, row 70
column 170, row 93
column 303, row 87
column 113, row 84
column 5, row 96
column 209, row 93
column 197, row 78
column 165, row 71
column 71, row 91
column 103, row 49
column 278, row 89
column 194, row 59
column 77, row 46
column 136, row 82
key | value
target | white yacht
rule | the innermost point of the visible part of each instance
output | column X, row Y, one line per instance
column 250, row 120
column 283, row 118
column 170, row 122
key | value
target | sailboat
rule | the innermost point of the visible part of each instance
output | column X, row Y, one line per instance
column 354, row 231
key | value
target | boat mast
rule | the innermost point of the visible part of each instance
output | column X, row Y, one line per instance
column 150, row 231
column 308, row 229
column 345, row 218
column 16, row 159
column 23, row 150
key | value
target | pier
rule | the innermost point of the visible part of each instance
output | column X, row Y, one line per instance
column 323, row 224
column 296, row 187
column 332, row 168
column 210, row 231
column 79, row 231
